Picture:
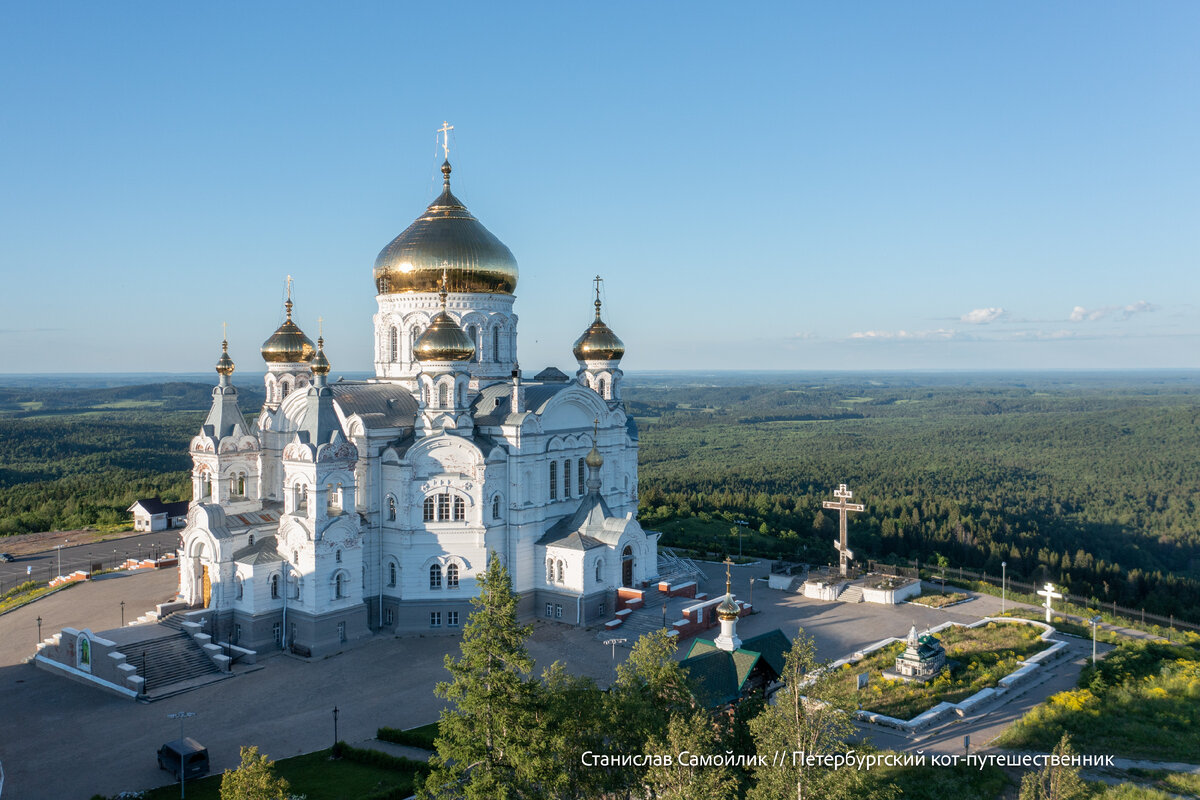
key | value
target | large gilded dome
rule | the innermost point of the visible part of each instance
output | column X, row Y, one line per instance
column 446, row 237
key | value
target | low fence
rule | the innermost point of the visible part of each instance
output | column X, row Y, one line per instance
column 1001, row 582
column 76, row 569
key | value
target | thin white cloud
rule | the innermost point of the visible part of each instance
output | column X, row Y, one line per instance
column 982, row 316
column 940, row 333
column 1081, row 314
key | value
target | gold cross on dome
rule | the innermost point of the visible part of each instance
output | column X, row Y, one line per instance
column 289, row 287
column 224, row 330
column 320, row 326
column 445, row 132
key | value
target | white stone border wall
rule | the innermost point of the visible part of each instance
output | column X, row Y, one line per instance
column 1027, row 668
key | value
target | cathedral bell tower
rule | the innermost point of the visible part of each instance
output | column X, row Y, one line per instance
column 598, row 351
column 318, row 462
column 288, row 353
column 226, row 459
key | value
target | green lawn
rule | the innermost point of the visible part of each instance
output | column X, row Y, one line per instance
column 984, row 655
column 314, row 775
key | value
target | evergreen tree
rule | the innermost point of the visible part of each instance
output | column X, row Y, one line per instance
column 650, row 687
column 1056, row 781
column 254, row 779
column 484, row 736
column 566, row 720
column 806, row 718
column 697, row 735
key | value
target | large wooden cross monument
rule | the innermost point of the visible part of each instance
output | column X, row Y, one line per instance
column 843, row 494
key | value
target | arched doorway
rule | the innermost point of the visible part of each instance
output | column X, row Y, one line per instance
column 627, row 566
column 205, row 586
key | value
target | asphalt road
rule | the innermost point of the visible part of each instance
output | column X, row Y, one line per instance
column 45, row 565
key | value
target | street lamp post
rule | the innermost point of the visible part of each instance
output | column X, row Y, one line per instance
column 39, row 622
column 1003, row 584
column 614, row 643
column 664, row 618
column 1095, row 623
column 59, row 549
column 122, row 613
column 181, row 716
column 752, row 591
column 335, row 731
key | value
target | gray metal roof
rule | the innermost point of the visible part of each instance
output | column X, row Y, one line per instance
column 380, row 405
column 261, row 552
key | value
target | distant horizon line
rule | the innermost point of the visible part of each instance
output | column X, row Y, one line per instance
column 840, row 371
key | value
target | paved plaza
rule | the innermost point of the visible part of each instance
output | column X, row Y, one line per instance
column 60, row 739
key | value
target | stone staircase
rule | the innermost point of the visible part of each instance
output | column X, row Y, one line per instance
column 850, row 594
column 168, row 660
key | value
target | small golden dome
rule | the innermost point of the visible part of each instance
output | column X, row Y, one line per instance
column 446, row 237
column 444, row 340
column 320, row 364
column 593, row 459
column 598, row 342
column 288, row 344
column 225, row 363
column 729, row 609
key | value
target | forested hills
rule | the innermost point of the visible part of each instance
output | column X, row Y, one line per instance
column 1089, row 480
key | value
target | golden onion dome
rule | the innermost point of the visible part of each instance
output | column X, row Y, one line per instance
column 593, row 459
column 444, row 340
column 598, row 342
column 320, row 364
column 446, row 237
column 288, row 344
column 729, row 609
column 225, row 363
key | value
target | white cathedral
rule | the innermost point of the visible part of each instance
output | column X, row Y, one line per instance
column 360, row 506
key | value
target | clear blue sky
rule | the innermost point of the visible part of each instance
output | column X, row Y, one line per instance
column 793, row 185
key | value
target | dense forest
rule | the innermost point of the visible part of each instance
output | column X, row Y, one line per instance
column 1087, row 480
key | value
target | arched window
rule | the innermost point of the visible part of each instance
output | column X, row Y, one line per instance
column 250, row 543
column 391, row 508
column 443, row 396
column 239, row 485
column 414, row 334
column 337, row 556
column 460, row 509
column 553, row 480
column 473, row 332
column 427, row 509
column 579, row 474
column 452, row 576
column 339, row 585
column 296, row 588
column 394, row 342
column 496, row 507
column 561, row 573
column 495, row 344
column 295, row 556
column 567, row 478
column 392, row 573
column 435, row 576
column 443, row 507
column 284, row 388
column 462, row 399
column 241, row 589
column 549, row 570
column 274, row 587
column 599, row 569
column 425, row 394
column 602, row 388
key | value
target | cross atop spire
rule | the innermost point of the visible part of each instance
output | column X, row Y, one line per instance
column 445, row 132
column 225, row 332
column 728, row 562
column 288, row 303
column 320, row 327
column 596, row 280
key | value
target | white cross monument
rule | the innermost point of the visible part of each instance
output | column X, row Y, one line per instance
column 843, row 494
column 1049, row 593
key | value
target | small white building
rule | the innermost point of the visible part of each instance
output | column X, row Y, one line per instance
column 153, row 514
